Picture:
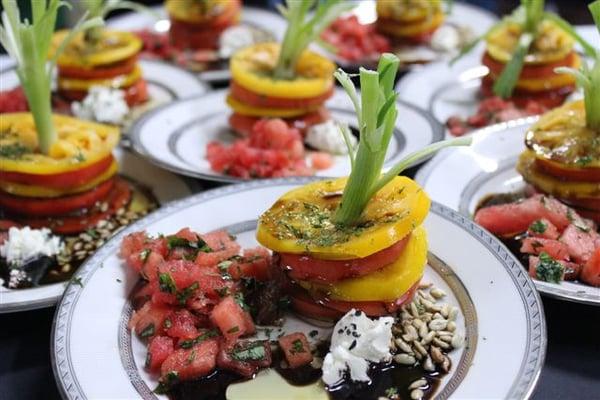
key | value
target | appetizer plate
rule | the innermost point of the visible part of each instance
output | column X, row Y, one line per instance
column 165, row 187
column 505, row 340
column 254, row 17
column 166, row 83
column 446, row 90
column 461, row 178
column 175, row 136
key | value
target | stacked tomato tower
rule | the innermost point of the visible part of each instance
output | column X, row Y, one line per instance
column 111, row 61
column 198, row 25
column 409, row 22
column 255, row 94
column 537, row 81
column 374, row 266
column 69, row 190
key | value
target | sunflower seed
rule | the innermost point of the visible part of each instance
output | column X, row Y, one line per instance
column 101, row 224
column 423, row 331
column 444, row 333
column 452, row 313
column 437, row 293
column 446, row 364
column 408, row 338
column 438, row 324
column 457, row 341
column 418, row 355
column 445, row 338
column 425, row 285
column 445, row 310
column 417, row 384
column 405, row 315
column 436, row 355
column 410, row 330
column 416, row 394
column 427, row 339
column 404, row 359
column 419, row 348
column 426, row 296
column 417, row 323
column 428, row 365
column 437, row 315
column 403, row 345
column 451, row 326
column 440, row 343
column 413, row 310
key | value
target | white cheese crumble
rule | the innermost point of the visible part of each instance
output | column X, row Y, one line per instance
column 450, row 38
column 25, row 243
column 327, row 137
column 17, row 276
column 239, row 36
column 356, row 341
column 102, row 104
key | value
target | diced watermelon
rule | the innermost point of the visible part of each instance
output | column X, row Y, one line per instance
column 245, row 358
column 543, row 228
column 254, row 264
column 187, row 234
column 320, row 160
column 231, row 319
column 192, row 363
column 590, row 272
column 131, row 246
column 151, row 261
column 513, row 218
column 554, row 248
column 571, row 270
column 581, row 244
column 296, row 349
column 148, row 320
column 223, row 246
column 159, row 348
column 181, row 325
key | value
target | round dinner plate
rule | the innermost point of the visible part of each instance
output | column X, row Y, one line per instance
column 448, row 90
column 502, row 316
column 175, row 136
column 166, row 83
column 461, row 178
column 255, row 17
column 165, row 187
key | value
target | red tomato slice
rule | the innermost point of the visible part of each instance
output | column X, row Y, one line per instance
column 325, row 309
column 134, row 94
column 246, row 96
column 529, row 71
column 547, row 98
column 243, row 124
column 101, row 72
column 306, row 268
column 575, row 174
column 60, row 181
column 31, row 206
column 118, row 198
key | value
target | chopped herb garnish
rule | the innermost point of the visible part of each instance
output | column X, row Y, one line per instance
column 253, row 351
column 548, row 269
column 239, row 299
column 184, row 295
column 167, row 382
column 297, row 347
column 13, row 151
column 222, row 292
column 313, row 333
column 192, row 356
column 166, row 283
column 188, row 344
column 167, row 324
column 234, row 329
column 144, row 255
column 148, row 331
column 391, row 392
column 77, row 280
column 538, row 226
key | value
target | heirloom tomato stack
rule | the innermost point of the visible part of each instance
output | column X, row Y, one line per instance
column 409, row 22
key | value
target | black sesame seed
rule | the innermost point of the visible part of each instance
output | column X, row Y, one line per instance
column 352, row 345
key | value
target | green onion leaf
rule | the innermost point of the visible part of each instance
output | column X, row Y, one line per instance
column 568, row 28
column 506, row 82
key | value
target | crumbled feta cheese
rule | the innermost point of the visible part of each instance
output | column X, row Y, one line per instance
column 17, row 276
column 356, row 341
column 449, row 38
column 327, row 137
column 102, row 104
column 239, row 36
column 25, row 243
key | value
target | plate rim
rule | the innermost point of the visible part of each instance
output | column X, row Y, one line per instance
column 536, row 340
column 425, row 172
column 134, row 133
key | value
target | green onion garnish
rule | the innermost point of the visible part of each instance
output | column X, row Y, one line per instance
column 101, row 9
column 28, row 43
column 302, row 31
column 376, row 113
column 589, row 79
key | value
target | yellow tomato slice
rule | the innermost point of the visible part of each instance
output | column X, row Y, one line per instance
column 245, row 109
column 195, row 11
column 552, row 43
column 252, row 66
column 415, row 29
column 556, row 187
column 24, row 190
column 118, row 82
column 301, row 220
column 114, row 46
column 407, row 11
column 78, row 144
column 386, row 284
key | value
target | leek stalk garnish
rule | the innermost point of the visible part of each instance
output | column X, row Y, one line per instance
column 100, row 9
column 376, row 113
column 302, row 31
column 529, row 16
column 589, row 79
column 28, row 43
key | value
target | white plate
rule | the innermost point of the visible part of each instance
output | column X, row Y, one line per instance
column 251, row 16
column 165, row 186
column 166, row 83
column 446, row 90
column 460, row 178
column 503, row 316
column 175, row 136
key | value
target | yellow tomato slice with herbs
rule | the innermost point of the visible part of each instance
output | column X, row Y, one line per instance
column 427, row 25
column 78, row 144
column 114, row 46
column 252, row 68
column 388, row 283
column 552, row 43
column 118, row 82
column 25, row 190
column 407, row 10
column 245, row 109
column 301, row 220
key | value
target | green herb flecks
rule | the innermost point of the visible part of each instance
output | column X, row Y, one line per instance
column 13, row 151
column 188, row 344
column 183, row 295
column 297, row 347
column 538, row 226
column 252, row 351
column 166, row 283
column 166, row 382
column 148, row 331
column 548, row 269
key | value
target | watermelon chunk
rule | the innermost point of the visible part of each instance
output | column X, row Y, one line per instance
column 192, row 363
column 231, row 319
column 580, row 243
column 590, row 272
column 148, row 320
column 245, row 358
column 181, row 325
column 296, row 349
column 554, row 248
column 159, row 349
column 543, row 228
